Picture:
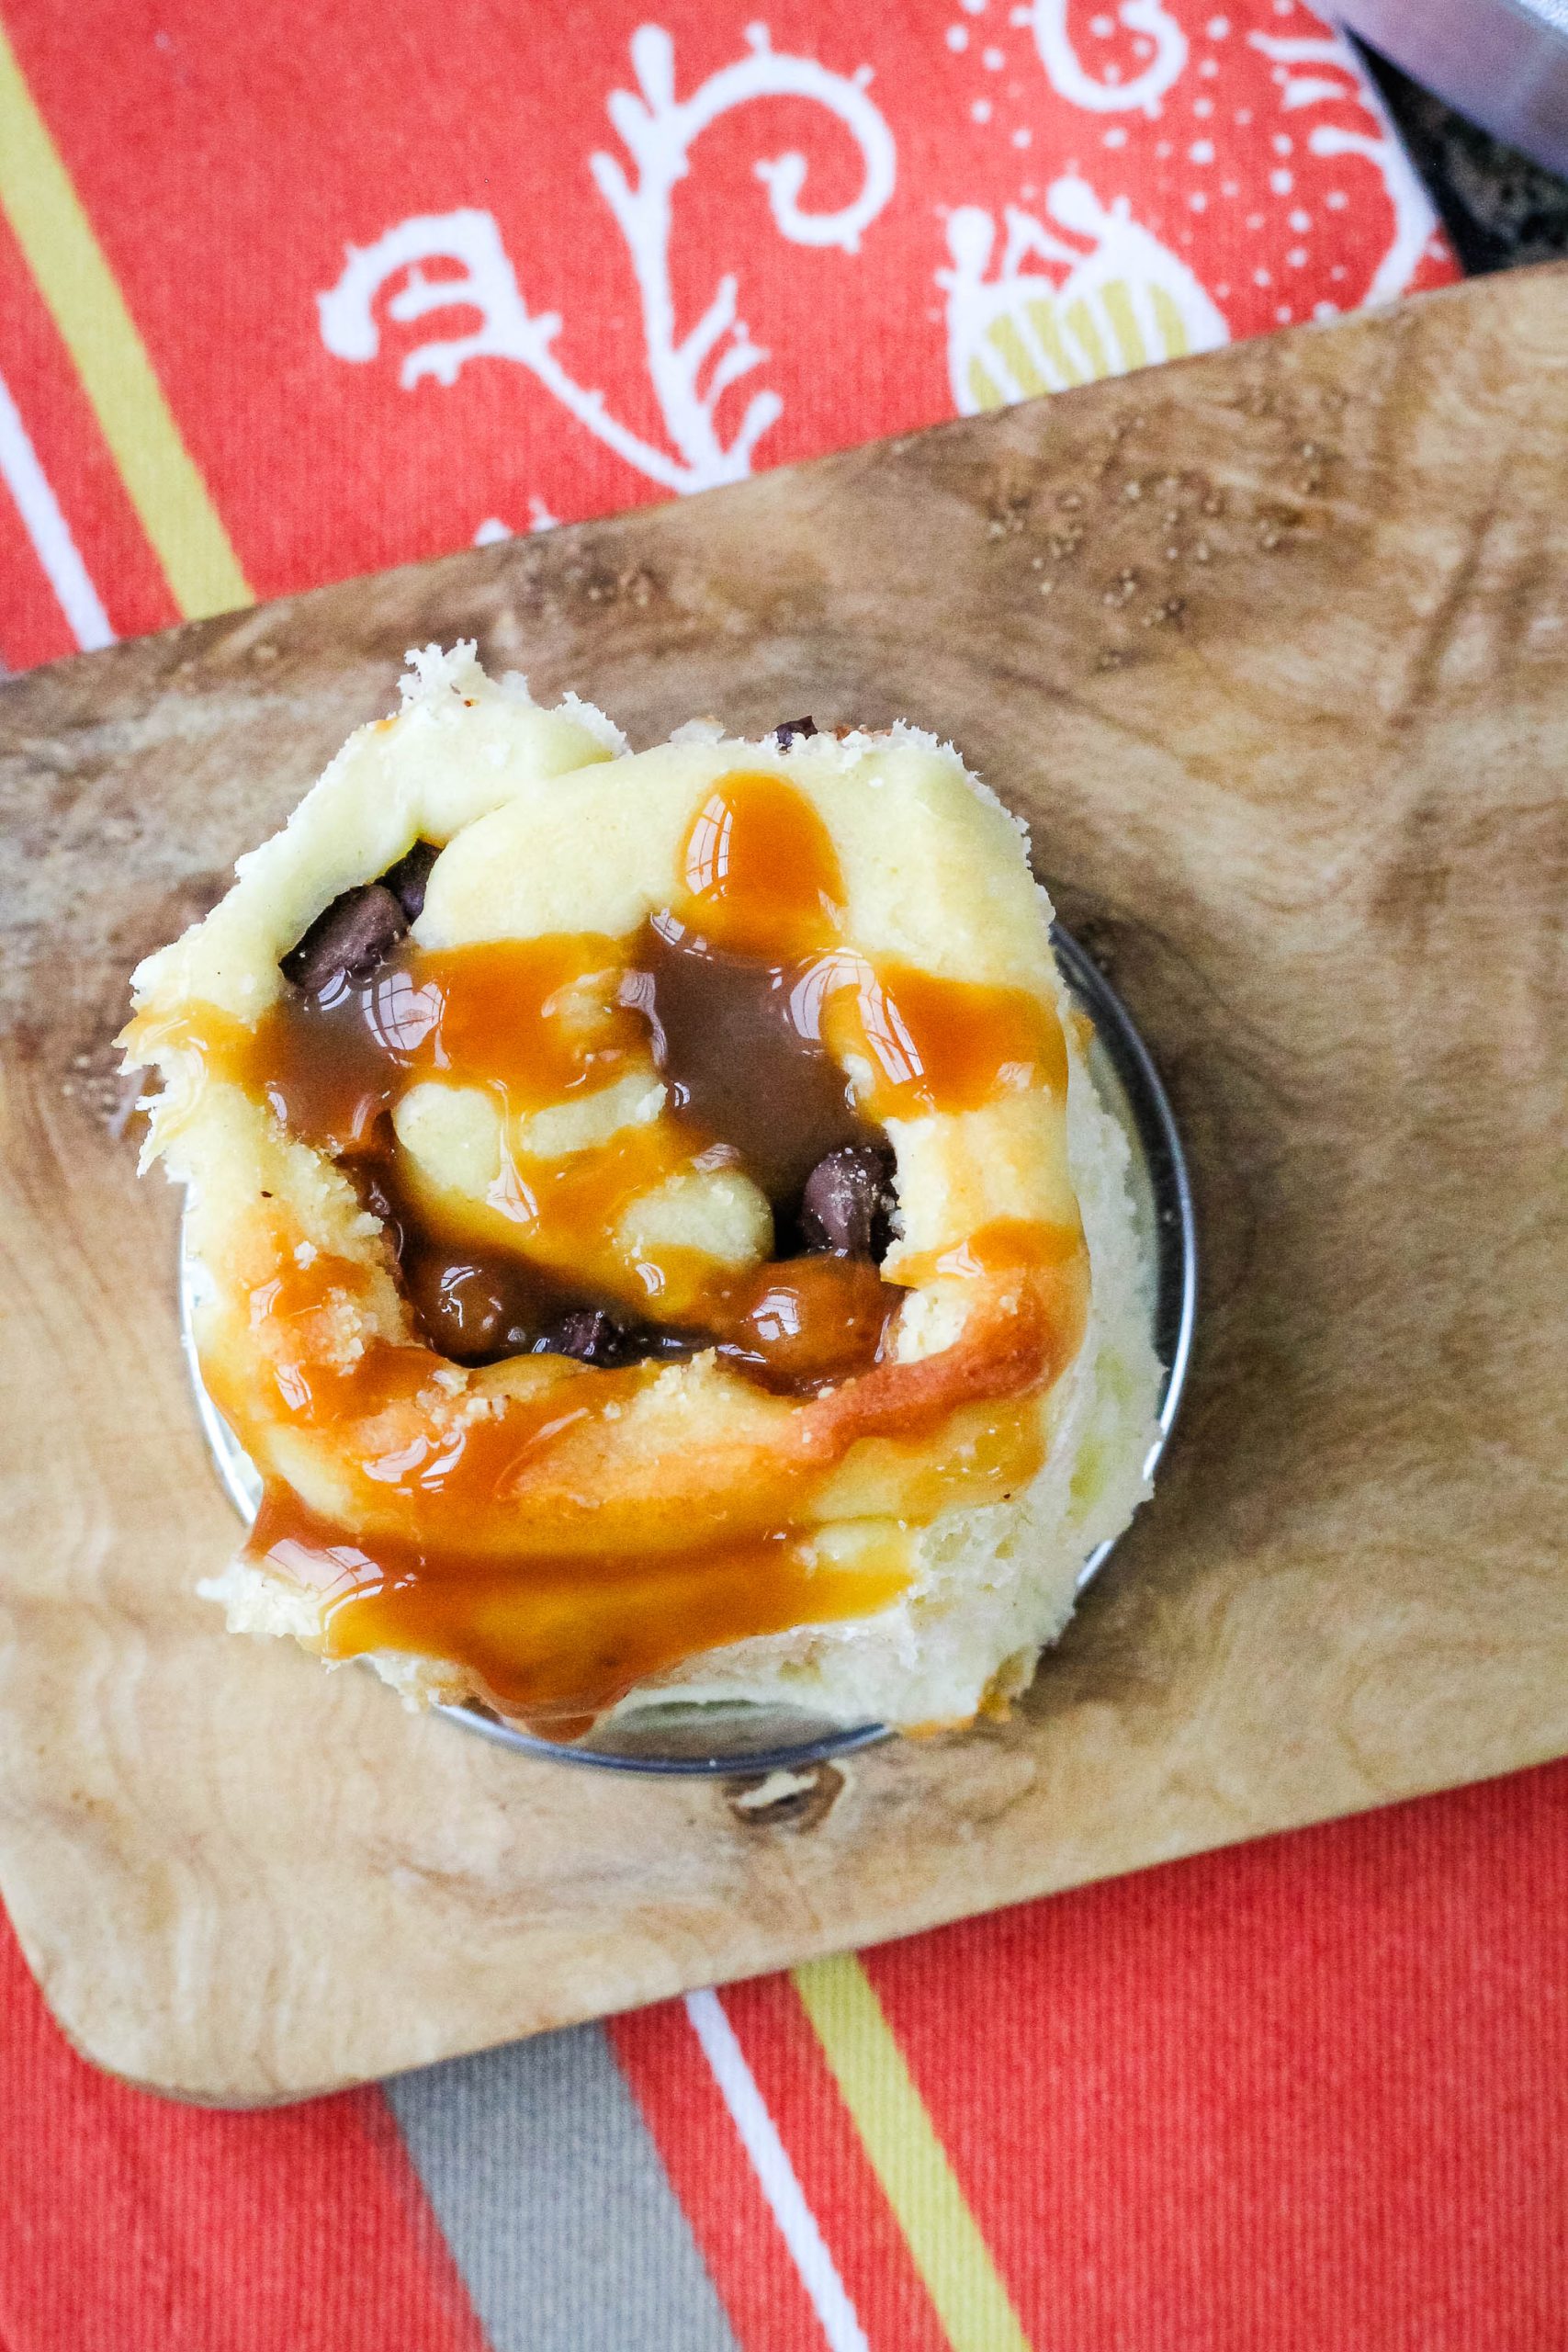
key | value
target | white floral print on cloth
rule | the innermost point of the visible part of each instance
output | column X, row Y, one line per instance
column 689, row 372
column 1086, row 292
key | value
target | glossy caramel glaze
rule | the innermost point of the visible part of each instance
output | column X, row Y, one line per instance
column 515, row 1459
column 480, row 1533
column 937, row 1044
column 536, row 1019
column 759, row 872
column 554, row 1640
column 475, row 1522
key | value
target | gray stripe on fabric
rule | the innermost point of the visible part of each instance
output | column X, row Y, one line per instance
column 554, row 2201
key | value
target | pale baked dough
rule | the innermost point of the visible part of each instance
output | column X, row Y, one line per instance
column 549, row 825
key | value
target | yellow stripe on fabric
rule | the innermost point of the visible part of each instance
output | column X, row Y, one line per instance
column 907, row 2157
column 76, row 282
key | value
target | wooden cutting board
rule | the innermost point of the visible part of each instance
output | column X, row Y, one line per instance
column 1271, row 647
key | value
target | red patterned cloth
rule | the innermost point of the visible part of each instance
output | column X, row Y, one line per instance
column 410, row 276
column 287, row 294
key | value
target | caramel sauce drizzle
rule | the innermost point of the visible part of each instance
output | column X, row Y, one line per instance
column 558, row 1642
column 935, row 1045
column 480, row 1534
column 758, row 870
column 521, row 1016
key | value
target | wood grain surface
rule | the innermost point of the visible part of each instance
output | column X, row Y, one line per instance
column 1271, row 647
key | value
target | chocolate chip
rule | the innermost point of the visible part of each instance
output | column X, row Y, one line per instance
column 650, row 1345
column 785, row 734
column 591, row 1336
column 467, row 1309
column 349, row 940
column 406, row 880
column 588, row 1334
column 847, row 1201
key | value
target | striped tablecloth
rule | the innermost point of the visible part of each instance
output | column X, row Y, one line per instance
column 288, row 293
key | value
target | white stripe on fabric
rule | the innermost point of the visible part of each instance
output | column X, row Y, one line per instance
column 770, row 2161
column 49, row 530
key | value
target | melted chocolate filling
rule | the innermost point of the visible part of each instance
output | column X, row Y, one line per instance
column 477, row 1308
column 736, row 1041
